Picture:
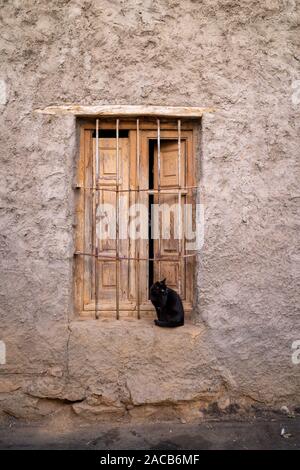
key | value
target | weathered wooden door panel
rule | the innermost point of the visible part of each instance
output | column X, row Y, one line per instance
column 105, row 201
column 182, row 269
column 169, row 245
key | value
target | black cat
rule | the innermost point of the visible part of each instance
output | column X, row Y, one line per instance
column 167, row 304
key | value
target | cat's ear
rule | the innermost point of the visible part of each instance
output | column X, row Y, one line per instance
column 164, row 281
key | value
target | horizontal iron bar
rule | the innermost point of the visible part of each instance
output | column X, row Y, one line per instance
column 120, row 258
column 150, row 191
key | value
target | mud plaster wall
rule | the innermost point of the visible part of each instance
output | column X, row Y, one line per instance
column 240, row 57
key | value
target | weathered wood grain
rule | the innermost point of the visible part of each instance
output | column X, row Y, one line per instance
column 124, row 110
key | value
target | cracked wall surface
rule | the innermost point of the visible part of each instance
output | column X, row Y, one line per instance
column 241, row 58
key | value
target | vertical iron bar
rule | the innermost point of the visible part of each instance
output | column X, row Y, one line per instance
column 128, row 202
column 117, row 224
column 158, row 187
column 138, row 202
column 179, row 207
column 96, row 197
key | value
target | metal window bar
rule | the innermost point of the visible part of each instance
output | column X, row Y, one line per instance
column 138, row 202
column 114, row 258
column 170, row 190
column 117, row 224
column 96, row 199
column 158, row 197
column 96, row 189
column 179, row 207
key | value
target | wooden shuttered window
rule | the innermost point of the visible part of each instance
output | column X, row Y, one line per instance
column 123, row 162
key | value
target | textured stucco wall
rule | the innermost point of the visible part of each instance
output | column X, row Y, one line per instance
column 240, row 57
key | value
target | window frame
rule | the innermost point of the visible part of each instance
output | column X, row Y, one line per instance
column 168, row 126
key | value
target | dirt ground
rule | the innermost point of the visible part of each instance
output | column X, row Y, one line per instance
column 254, row 433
